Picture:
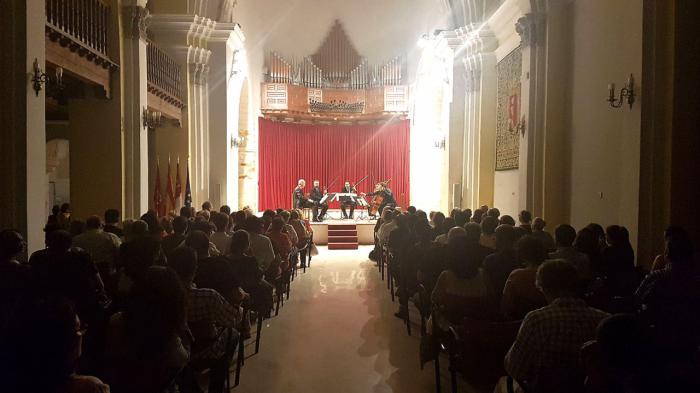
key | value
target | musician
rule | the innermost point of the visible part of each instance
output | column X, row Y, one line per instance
column 381, row 190
column 301, row 202
column 315, row 196
column 346, row 201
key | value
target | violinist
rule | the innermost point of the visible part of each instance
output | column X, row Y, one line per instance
column 300, row 200
column 383, row 197
column 347, row 201
column 315, row 196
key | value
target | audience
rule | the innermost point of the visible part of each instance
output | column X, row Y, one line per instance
column 112, row 222
column 543, row 236
column 460, row 290
column 488, row 232
column 146, row 342
column 102, row 246
column 220, row 238
column 101, row 301
column 211, row 319
column 499, row 265
column 564, row 236
column 41, row 346
column 525, row 219
column 545, row 354
column 520, row 294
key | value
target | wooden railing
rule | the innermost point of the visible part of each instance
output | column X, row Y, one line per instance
column 164, row 78
column 83, row 21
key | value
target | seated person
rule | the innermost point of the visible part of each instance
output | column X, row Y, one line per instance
column 668, row 300
column 385, row 195
column 260, row 245
column 214, row 272
column 41, row 345
column 301, row 202
column 280, row 244
column 543, row 236
column 614, row 361
column 249, row 274
column 172, row 241
column 347, row 201
column 69, row 272
column 211, row 319
column 499, row 265
column 220, row 238
column 545, row 354
column 460, row 290
column 525, row 219
column 564, row 236
column 520, row 294
column 488, row 232
column 316, row 195
column 145, row 346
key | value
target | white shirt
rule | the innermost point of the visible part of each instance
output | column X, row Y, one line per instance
column 384, row 232
column 262, row 250
column 222, row 241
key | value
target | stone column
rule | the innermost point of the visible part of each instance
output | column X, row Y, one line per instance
column 197, row 114
column 531, row 29
column 226, row 79
column 135, row 19
column 23, row 198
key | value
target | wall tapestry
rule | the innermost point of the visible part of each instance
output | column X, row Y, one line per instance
column 509, row 70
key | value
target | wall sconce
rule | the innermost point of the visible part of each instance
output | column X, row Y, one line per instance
column 39, row 78
column 237, row 141
column 626, row 92
column 439, row 143
column 151, row 119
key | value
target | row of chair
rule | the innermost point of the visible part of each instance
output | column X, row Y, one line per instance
column 474, row 348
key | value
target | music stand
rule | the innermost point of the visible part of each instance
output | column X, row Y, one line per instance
column 362, row 203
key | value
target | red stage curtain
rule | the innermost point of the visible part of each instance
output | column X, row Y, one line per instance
column 289, row 152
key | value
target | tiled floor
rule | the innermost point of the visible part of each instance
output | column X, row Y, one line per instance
column 338, row 334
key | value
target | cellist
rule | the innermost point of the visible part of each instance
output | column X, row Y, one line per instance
column 382, row 196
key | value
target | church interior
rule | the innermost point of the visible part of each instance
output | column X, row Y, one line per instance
column 361, row 196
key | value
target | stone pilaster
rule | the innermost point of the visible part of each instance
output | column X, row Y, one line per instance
column 135, row 100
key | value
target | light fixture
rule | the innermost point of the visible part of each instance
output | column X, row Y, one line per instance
column 626, row 93
column 40, row 78
column 151, row 119
column 237, row 141
column 439, row 142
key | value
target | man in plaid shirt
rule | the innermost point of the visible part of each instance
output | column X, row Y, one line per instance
column 211, row 319
column 545, row 355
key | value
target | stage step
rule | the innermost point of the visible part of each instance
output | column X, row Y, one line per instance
column 350, row 227
column 341, row 232
column 342, row 237
column 342, row 246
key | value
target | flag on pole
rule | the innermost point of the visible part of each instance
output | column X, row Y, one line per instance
column 178, row 187
column 169, row 190
column 188, row 189
column 157, row 195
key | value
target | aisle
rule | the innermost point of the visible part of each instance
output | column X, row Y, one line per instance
column 337, row 334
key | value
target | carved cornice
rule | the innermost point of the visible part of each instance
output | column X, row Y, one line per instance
column 531, row 29
column 138, row 18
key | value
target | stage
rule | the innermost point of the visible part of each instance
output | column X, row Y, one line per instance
column 365, row 227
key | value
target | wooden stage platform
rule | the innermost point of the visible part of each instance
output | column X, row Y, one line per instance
column 364, row 228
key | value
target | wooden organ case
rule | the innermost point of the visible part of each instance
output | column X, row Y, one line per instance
column 334, row 84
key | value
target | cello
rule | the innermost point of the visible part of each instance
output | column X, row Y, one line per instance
column 378, row 199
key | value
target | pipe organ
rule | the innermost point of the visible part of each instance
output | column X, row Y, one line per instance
column 334, row 82
column 306, row 72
